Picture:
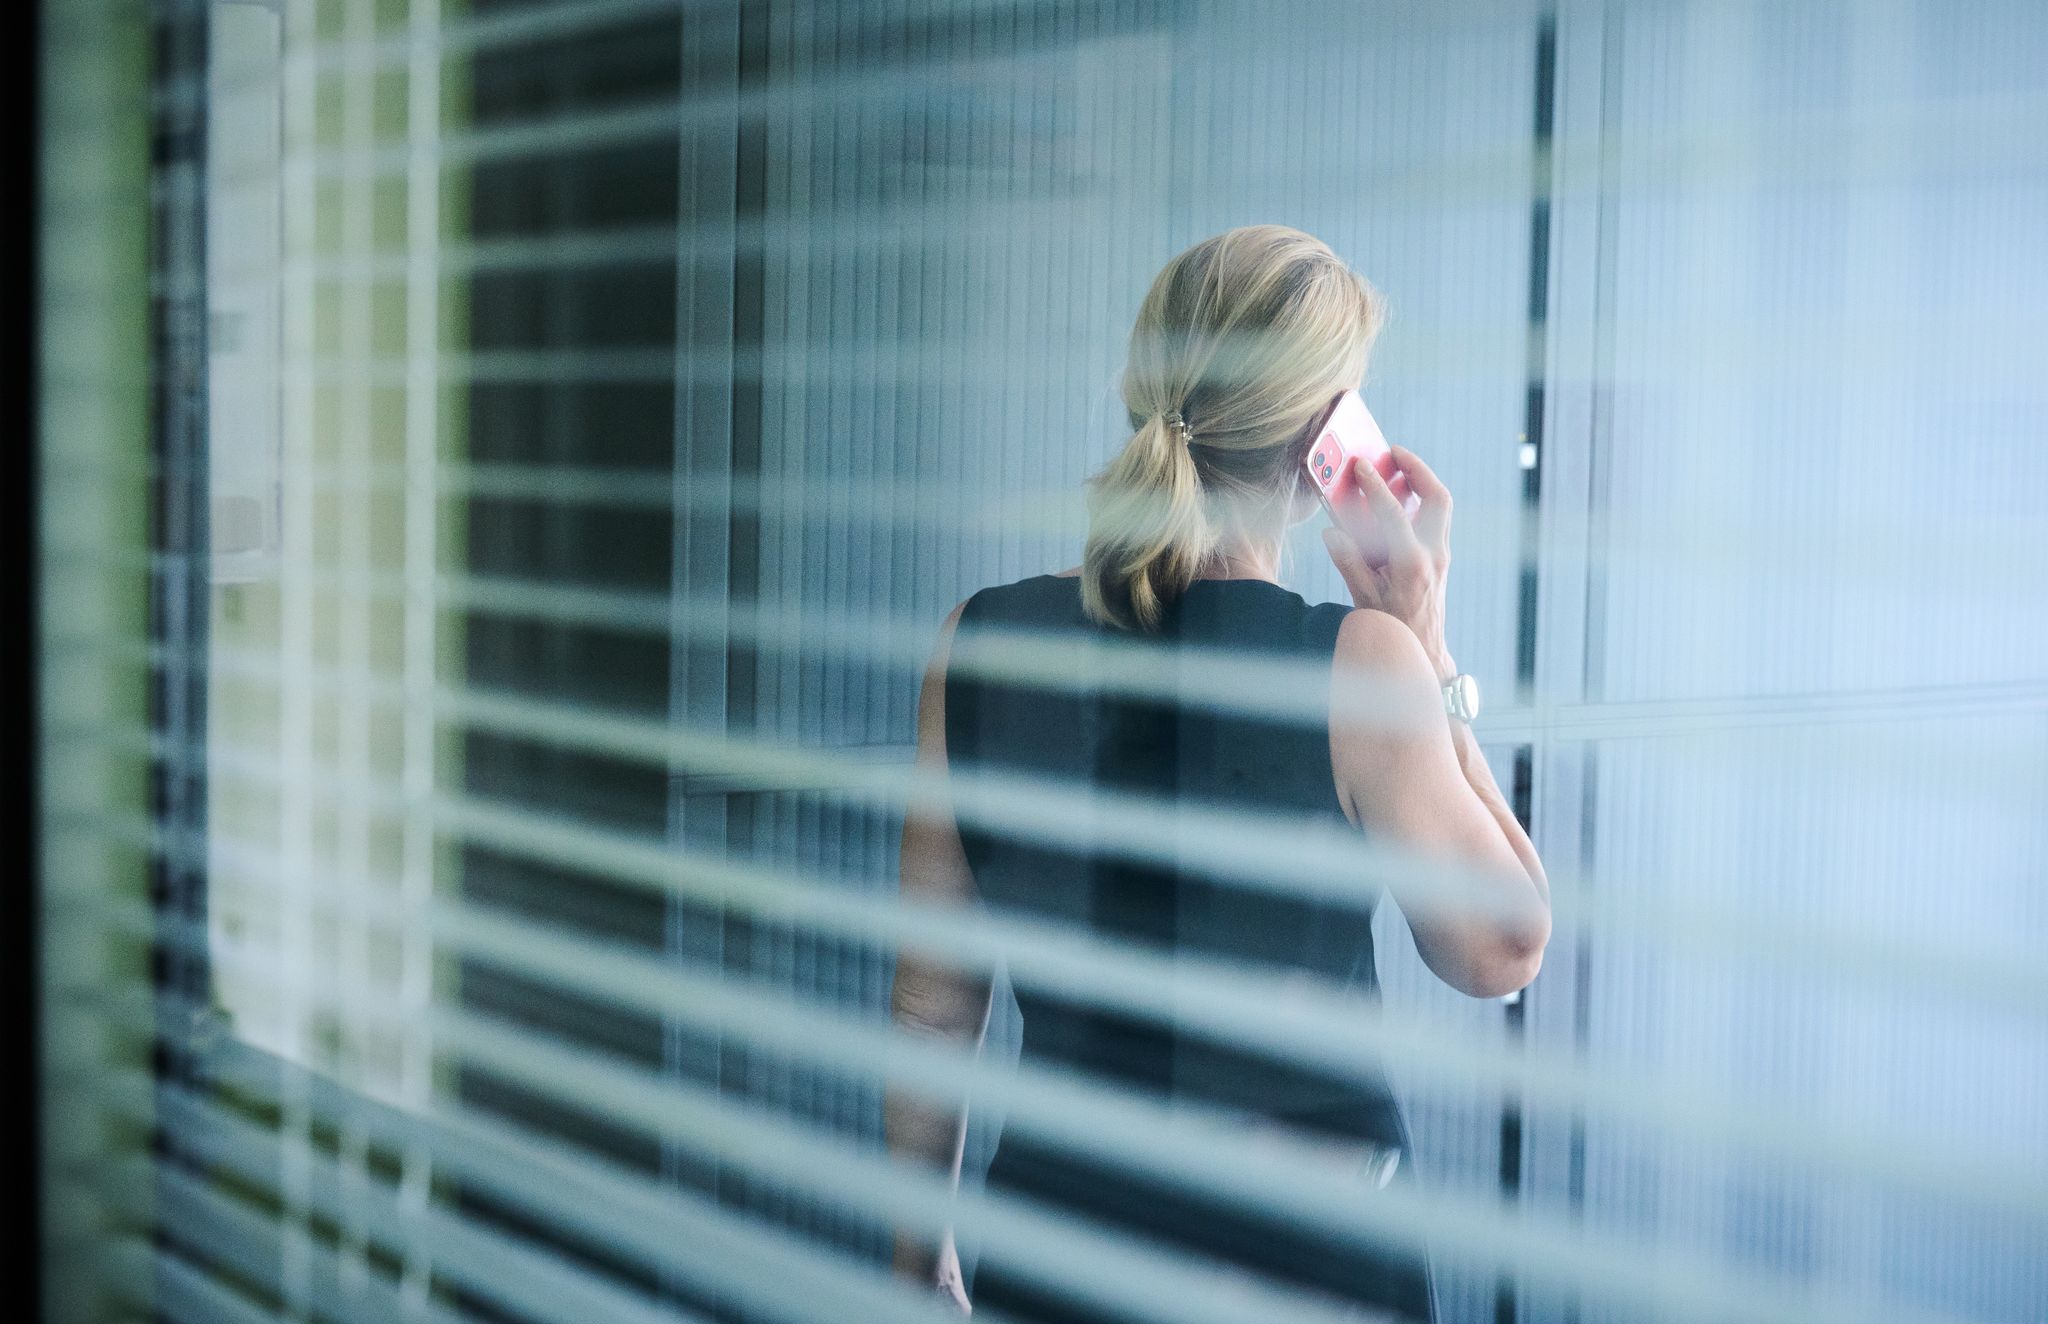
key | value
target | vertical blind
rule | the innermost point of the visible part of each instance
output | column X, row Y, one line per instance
column 503, row 466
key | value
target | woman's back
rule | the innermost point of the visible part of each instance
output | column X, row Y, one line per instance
column 1165, row 819
column 1132, row 782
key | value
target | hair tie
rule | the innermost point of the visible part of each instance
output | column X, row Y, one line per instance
column 1179, row 427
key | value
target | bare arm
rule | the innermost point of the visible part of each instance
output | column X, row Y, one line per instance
column 1410, row 772
column 1479, row 776
column 929, row 996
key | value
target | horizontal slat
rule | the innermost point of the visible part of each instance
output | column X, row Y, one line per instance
column 588, row 1197
column 2003, row 545
column 471, row 35
column 1276, row 691
column 1225, row 1001
column 487, row 1263
column 254, row 1243
column 1219, row 680
column 1869, row 718
column 1296, row 855
column 990, row 68
column 933, row 227
column 1802, row 146
column 803, row 1282
column 775, row 1271
column 189, row 1296
column 1546, row 1250
column 646, row 365
column 658, row 365
column 1309, row 858
column 619, row 1094
column 1334, row 1033
column 1262, row 853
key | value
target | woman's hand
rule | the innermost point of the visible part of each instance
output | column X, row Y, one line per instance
column 1393, row 566
column 929, row 1270
column 952, row 1284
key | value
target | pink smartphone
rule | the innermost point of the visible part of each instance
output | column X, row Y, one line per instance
column 1348, row 431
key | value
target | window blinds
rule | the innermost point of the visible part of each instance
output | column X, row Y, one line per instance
column 503, row 468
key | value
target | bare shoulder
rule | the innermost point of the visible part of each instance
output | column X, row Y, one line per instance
column 944, row 644
column 931, row 697
column 1071, row 572
column 1373, row 641
column 1383, row 697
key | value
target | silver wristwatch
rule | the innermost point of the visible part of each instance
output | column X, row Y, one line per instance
column 1461, row 697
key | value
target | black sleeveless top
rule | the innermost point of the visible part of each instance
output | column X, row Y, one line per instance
column 1073, row 736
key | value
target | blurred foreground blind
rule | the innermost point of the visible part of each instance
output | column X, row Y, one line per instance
column 503, row 466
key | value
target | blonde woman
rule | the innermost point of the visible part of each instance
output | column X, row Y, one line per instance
column 1241, row 346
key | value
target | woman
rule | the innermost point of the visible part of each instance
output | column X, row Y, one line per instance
column 1241, row 347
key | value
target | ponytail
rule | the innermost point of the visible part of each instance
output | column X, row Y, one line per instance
column 1254, row 331
column 1148, row 531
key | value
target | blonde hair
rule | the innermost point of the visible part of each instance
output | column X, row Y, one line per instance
column 1248, row 336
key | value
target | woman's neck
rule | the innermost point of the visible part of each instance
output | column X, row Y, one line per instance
column 1233, row 562
column 1242, row 561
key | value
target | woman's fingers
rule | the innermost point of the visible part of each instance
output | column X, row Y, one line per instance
column 1390, row 523
column 1433, row 520
column 1420, row 476
column 1363, row 581
column 1350, row 563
